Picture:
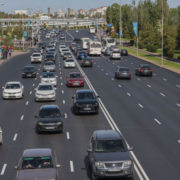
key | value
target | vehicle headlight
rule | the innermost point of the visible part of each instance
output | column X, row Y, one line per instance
column 52, row 93
column 77, row 104
column 40, row 123
column 96, row 104
column 99, row 165
column 59, row 123
column 127, row 163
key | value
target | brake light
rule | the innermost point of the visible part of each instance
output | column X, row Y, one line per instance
column 141, row 70
column 150, row 70
column 130, row 73
column 118, row 73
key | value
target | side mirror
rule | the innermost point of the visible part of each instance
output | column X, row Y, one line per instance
column 15, row 167
column 130, row 148
column 89, row 150
column 57, row 76
column 73, row 97
column 97, row 96
column 35, row 116
column 3, row 87
column 58, row 165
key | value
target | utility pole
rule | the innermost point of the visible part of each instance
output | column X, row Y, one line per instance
column 120, row 24
column 162, row 53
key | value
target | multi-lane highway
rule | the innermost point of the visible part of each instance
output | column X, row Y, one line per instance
column 145, row 109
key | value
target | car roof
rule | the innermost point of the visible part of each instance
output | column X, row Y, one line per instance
column 49, row 107
column 84, row 91
column 37, row 152
column 107, row 135
column 13, row 82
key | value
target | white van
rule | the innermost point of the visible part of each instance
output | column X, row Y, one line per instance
column 94, row 48
column 84, row 42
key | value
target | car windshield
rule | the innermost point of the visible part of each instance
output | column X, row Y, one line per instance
column 116, row 52
column 65, row 50
column 110, row 40
column 29, row 69
column 35, row 55
column 49, row 113
column 45, row 87
column 145, row 67
column 95, row 45
column 110, row 146
column 12, row 86
column 37, row 162
column 67, row 54
column 70, row 60
column 124, row 69
column 75, row 76
column 85, row 95
column 49, row 63
column 49, row 56
column 48, row 75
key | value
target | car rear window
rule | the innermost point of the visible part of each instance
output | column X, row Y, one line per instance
column 45, row 87
column 75, row 76
column 85, row 95
column 49, row 113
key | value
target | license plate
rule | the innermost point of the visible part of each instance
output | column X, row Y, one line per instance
column 75, row 83
column 50, row 127
column 87, row 109
column 114, row 169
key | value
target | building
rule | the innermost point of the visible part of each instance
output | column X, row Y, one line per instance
column 59, row 13
column 82, row 12
column 49, row 12
column 71, row 12
column 101, row 11
column 21, row 12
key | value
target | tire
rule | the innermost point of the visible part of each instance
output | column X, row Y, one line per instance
column 93, row 177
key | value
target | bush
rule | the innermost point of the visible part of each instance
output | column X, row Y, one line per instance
column 131, row 42
column 151, row 48
column 141, row 45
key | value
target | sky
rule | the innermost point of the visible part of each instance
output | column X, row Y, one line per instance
column 36, row 5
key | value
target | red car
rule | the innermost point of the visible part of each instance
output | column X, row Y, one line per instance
column 75, row 79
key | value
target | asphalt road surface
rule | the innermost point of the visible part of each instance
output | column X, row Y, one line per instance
column 145, row 109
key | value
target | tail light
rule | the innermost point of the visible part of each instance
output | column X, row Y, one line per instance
column 141, row 70
column 118, row 73
column 150, row 70
column 90, row 61
column 130, row 73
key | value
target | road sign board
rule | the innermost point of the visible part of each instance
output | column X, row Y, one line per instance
column 108, row 25
column 29, row 22
column 25, row 33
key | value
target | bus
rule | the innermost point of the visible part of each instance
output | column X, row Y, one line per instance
column 84, row 43
column 92, row 30
column 94, row 48
column 108, row 42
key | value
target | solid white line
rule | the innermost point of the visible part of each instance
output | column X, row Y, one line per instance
column 68, row 135
column 178, row 104
column 3, row 169
column 128, row 94
column 178, row 85
column 27, row 102
column 119, row 85
column 157, row 121
column 148, row 85
column 65, row 115
column 71, row 166
column 15, row 137
column 141, row 106
column 22, row 117
column 162, row 94
column 62, row 92
column 138, row 168
column 64, row 101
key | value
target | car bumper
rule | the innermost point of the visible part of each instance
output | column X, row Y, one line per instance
column 85, row 110
column 47, row 128
column 146, row 73
column 28, row 75
column 50, row 70
column 115, row 57
column 123, row 76
column 14, row 96
column 75, row 84
column 45, row 98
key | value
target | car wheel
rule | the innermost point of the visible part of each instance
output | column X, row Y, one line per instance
column 93, row 177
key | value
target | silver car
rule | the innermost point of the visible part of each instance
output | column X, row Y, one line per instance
column 49, row 77
column 45, row 92
column 49, row 66
column 13, row 90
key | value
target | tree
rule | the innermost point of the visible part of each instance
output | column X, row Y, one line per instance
column 178, row 30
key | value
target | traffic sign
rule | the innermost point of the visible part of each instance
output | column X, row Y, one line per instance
column 29, row 22
column 108, row 25
column 25, row 33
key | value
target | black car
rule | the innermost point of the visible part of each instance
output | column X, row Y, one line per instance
column 144, row 70
column 124, row 52
column 81, row 55
column 50, row 57
column 85, row 101
column 49, row 119
column 109, row 155
column 122, row 73
column 86, row 62
column 29, row 72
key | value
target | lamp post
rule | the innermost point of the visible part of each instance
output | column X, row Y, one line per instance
column 120, row 24
column 162, row 53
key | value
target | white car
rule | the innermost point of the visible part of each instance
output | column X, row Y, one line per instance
column 49, row 77
column 36, row 58
column 13, row 90
column 69, row 63
column 49, row 66
column 45, row 92
column 115, row 54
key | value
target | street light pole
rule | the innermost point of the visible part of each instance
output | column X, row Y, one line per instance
column 162, row 53
column 120, row 24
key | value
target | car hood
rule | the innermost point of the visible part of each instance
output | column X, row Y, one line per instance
column 29, row 71
column 86, row 101
column 111, row 156
column 37, row 174
column 12, row 90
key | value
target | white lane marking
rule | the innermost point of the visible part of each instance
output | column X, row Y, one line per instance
column 68, row 135
column 148, row 85
column 140, row 105
column 64, row 101
column 112, row 79
column 128, row 94
column 178, row 104
column 15, row 137
column 137, row 166
column 157, row 121
column 37, row 73
column 60, row 77
column 71, row 166
column 65, row 115
column 33, row 84
column 178, row 140
column 106, row 74
column 3, row 169
column 61, row 84
column 60, row 73
column 119, row 85
column 22, row 117
column 62, row 92
column 39, row 69
column 138, row 79
column 27, row 102
column 178, row 85
column 35, row 78
column 132, row 63
column 162, row 94
column 30, row 92
column 164, row 79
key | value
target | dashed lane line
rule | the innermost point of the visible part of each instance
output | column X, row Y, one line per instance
column 148, row 85
column 141, row 106
column 65, row 115
column 155, row 119
column 30, row 92
column 71, row 166
column 119, row 85
column 162, row 94
column 68, row 135
column 178, row 85
column 64, row 101
column 3, row 169
column 178, row 104
column 128, row 94
column 22, row 117
column 15, row 137
column 62, row 91
column 27, row 102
